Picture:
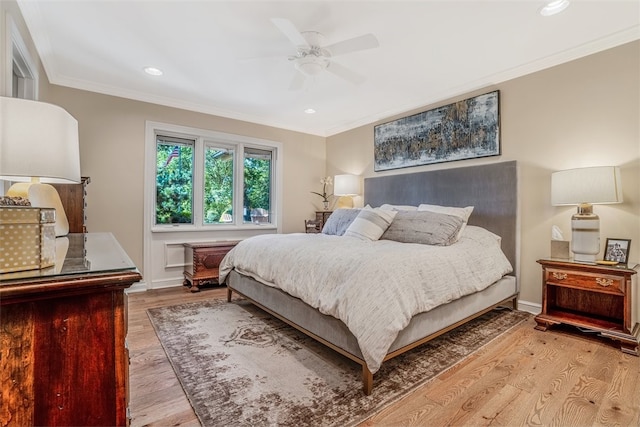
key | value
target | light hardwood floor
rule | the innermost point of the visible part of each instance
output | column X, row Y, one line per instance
column 527, row 377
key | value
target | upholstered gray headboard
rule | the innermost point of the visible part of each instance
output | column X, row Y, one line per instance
column 492, row 190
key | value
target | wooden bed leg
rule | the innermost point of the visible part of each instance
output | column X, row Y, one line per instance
column 367, row 380
column 229, row 292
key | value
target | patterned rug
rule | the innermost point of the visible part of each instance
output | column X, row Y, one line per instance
column 240, row 366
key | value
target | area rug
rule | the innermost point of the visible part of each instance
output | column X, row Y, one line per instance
column 240, row 366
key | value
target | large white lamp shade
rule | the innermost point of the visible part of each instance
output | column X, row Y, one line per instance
column 584, row 187
column 346, row 186
column 38, row 144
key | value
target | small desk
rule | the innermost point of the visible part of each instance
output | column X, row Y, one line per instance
column 64, row 359
column 202, row 262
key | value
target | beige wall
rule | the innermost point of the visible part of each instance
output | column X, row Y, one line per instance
column 112, row 139
column 582, row 113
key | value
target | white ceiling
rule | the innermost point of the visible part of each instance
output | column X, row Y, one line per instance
column 228, row 59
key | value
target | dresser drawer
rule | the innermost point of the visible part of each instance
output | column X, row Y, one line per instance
column 591, row 281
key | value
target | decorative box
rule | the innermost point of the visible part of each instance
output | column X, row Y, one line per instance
column 27, row 238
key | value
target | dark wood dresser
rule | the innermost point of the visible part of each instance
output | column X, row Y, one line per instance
column 74, row 202
column 63, row 358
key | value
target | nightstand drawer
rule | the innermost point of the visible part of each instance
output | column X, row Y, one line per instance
column 592, row 281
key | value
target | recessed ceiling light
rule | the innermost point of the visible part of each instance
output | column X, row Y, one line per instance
column 553, row 7
column 309, row 111
column 153, row 71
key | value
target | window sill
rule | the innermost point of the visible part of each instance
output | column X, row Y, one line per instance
column 211, row 228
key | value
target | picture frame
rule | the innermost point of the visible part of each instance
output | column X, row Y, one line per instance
column 467, row 129
column 617, row 250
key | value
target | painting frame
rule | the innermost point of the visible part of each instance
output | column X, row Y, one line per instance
column 617, row 250
column 466, row 129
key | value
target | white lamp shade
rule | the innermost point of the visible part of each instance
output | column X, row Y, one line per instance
column 38, row 140
column 594, row 185
column 346, row 185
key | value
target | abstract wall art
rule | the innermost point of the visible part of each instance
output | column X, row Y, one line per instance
column 466, row 129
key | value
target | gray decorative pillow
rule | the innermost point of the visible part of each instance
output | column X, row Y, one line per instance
column 339, row 221
column 425, row 227
column 370, row 224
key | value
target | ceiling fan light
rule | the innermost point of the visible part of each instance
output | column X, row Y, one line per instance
column 553, row 7
column 311, row 65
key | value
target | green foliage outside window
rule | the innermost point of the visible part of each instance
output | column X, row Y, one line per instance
column 218, row 185
column 174, row 184
column 257, row 179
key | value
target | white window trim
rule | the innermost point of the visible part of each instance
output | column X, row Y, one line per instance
column 16, row 52
column 209, row 232
column 239, row 141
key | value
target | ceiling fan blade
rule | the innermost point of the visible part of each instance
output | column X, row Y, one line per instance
column 367, row 41
column 297, row 82
column 345, row 73
column 289, row 30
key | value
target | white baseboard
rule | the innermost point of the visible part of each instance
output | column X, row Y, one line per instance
column 137, row 287
column 144, row 286
column 169, row 283
column 531, row 307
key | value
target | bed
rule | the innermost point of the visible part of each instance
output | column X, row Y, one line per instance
column 491, row 189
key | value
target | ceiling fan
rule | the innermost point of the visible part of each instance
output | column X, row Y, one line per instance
column 312, row 58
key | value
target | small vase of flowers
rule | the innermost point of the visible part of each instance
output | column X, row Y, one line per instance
column 327, row 180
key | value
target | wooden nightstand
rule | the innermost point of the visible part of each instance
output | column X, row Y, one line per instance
column 322, row 217
column 202, row 262
column 603, row 299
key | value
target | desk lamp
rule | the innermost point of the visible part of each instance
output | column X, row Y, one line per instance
column 346, row 186
column 38, row 145
column 585, row 187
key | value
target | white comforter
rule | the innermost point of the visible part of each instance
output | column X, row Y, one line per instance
column 373, row 287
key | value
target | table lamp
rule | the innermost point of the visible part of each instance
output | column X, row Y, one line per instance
column 38, row 145
column 585, row 187
column 346, row 186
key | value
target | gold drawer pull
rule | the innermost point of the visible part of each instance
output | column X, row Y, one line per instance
column 559, row 276
column 604, row 282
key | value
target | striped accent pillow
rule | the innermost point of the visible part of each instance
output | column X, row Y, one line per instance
column 370, row 224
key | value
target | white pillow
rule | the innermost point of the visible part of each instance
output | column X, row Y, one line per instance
column 388, row 207
column 370, row 224
column 463, row 213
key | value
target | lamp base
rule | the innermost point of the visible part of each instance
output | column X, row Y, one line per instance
column 43, row 196
column 585, row 238
column 586, row 258
column 345, row 202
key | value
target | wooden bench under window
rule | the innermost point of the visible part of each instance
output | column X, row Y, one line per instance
column 202, row 262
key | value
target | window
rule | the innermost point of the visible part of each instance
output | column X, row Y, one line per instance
column 174, row 180
column 257, row 189
column 218, row 184
column 213, row 180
